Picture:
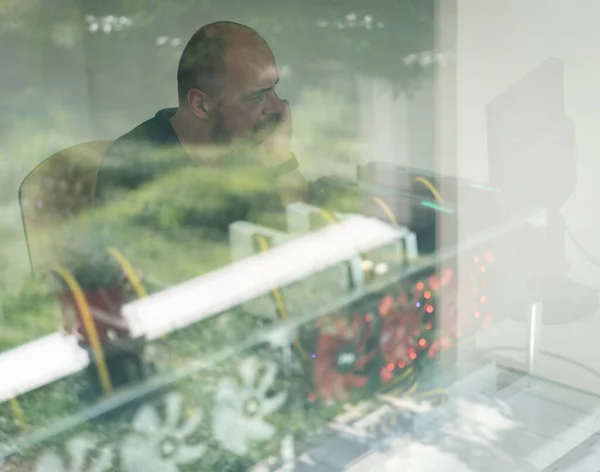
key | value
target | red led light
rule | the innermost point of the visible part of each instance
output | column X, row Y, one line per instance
column 433, row 282
column 427, row 295
column 420, row 286
column 429, row 309
column 429, row 325
column 385, row 375
column 422, row 342
column 390, row 367
column 433, row 350
column 386, row 305
column 412, row 354
column 401, row 365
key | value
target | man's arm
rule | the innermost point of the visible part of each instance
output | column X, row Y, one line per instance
column 275, row 153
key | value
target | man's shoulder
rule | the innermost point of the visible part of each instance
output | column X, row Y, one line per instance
column 148, row 151
column 155, row 132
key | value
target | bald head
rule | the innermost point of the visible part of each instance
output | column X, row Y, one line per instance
column 204, row 61
column 226, row 83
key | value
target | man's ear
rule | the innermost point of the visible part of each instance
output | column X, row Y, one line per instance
column 200, row 103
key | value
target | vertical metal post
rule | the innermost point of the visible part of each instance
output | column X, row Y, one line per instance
column 535, row 321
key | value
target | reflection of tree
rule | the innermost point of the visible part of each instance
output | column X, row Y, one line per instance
column 137, row 43
column 127, row 52
column 477, row 431
column 365, row 36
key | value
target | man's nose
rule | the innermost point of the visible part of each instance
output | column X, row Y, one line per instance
column 274, row 105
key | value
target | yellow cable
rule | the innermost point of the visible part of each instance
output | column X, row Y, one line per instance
column 18, row 414
column 330, row 218
column 89, row 326
column 412, row 389
column 129, row 272
column 386, row 209
column 264, row 247
column 402, row 376
column 431, row 393
column 431, row 188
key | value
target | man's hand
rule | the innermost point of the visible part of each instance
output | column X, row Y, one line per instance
column 276, row 148
column 293, row 187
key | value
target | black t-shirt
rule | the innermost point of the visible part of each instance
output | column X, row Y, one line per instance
column 142, row 155
column 151, row 159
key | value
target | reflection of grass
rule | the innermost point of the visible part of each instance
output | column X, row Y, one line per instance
column 27, row 315
column 173, row 230
column 327, row 132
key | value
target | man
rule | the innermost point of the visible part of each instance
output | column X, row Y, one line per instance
column 222, row 155
column 228, row 107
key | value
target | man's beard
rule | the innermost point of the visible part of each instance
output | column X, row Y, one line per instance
column 220, row 133
column 261, row 131
column 265, row 128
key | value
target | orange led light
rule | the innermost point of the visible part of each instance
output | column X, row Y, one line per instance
column 422, row 342
column 412, row 354
column 427, row 295
column 420, row 286
column 386, row 305
column 429, row 309
column 401, row 364
column 390, row 366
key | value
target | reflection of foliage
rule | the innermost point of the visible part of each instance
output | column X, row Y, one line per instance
column 84, row 253
column 367, row 37
column 325, row 127
column 29, row 313
column 410, row 456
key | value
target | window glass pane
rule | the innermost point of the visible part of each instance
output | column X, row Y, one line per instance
column 311, row 236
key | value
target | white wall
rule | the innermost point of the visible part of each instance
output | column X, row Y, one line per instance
column 499, row 42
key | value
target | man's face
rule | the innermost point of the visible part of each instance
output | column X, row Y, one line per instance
column 249, row 108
